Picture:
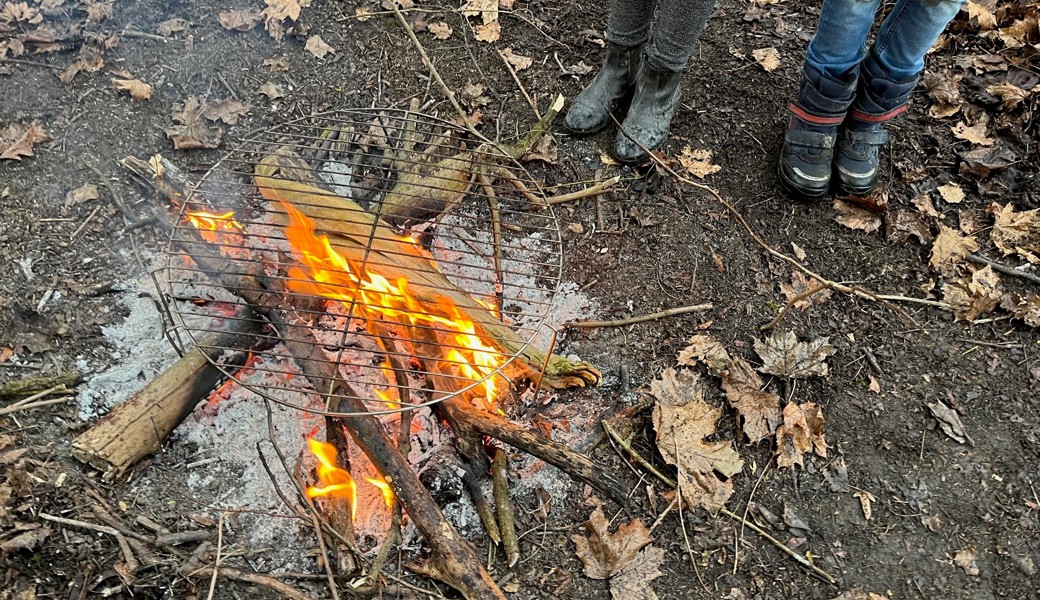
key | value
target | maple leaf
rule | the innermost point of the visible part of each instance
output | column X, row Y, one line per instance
column 633, row 581
column 228, row 110
column 759, row 410
column 603, row 553
column 683, row 421
column 855, row 217
column 697, row 162
column 272, row 90
column 191, row 131
column 784, row 356
column 706, row 349
column 439, row 30
column 767, row 58
column 976, row 134
column 951, row 192
column 972, row 298
column 949, row 248
column 239, row 20
column 800, row 432
column 137, row 89
column 982, row 15
column 317, row 46
column 799, row 284
column 1023, row 306
column 1010, row 95
column 1015, row 231
column 519, row 62
column 924, row 204
column 17, row 140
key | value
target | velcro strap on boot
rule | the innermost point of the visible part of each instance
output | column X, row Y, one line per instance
column 809, row 139
column 871, row 138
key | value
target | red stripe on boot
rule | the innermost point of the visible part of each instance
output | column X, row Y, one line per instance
column 814, row 119
column 862, row 116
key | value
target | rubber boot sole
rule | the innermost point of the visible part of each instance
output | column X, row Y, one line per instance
column 794, row 191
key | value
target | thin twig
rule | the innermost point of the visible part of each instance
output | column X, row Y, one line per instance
column 627, row 447
column 805, row 562
column 80, row 524
column 790, row 303
column 747, row 507
column 592, row 190
column 1005, row 269
column 21, row 407
column 216, row 559
column 671, row 312
column 60, row 388
column 496, row 238
column 682, row 524
column 520, row 85
column 504, row 507
column 30, row 63
column 267, row 581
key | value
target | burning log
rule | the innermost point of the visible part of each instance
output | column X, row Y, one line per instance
column 138, row 427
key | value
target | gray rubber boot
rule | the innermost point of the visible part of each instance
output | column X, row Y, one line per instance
column 591, row 109
column 650, row 115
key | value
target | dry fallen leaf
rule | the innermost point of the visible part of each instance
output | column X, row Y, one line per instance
column 317, row 46
column 239, row 20
column 951, row 192
column 855, row 217
column 683, row 421
column 950, row 422
column 519, row 62
column 137, row 89
column 706, row 349
column 488, row 32
column 923, row 202
column 25, row 541
column 949, row 248
column 84, row 193
column 784, row 356
column 968, row 558
column 859, row 594
column 976, row 134
column 875, row 385
column 171, row 26
column 800, row 432
column 982, row 15
column 800, row 284
column 697, row 162
column 1023, row 306
column 272, row 90
column 439, row 30
column 633, row 581
column 759, row 410
column 17, row 140
column 227, row 110
column 191, row 130
column 1010, row 95
column 1015, row 231
column 603, row 553
column 767, row 58
column 866, row 502
column 277, row 64
column 799, row 253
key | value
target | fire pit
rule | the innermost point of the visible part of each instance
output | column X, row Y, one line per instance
column 374, row 263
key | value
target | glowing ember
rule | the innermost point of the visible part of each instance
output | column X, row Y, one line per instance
column 388, row 494
column 387, row 399
column 335, row 482
column 329, row 274
column 215, row 228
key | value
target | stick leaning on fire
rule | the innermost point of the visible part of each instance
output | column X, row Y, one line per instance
column 350, row 230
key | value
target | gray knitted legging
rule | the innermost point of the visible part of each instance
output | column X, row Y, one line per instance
column 674, row 33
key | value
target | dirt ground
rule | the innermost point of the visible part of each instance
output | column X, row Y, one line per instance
column 949, row 519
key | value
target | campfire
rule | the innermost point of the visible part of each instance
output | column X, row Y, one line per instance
column 385, row 264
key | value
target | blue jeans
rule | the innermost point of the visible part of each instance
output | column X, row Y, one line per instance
column 840, row 43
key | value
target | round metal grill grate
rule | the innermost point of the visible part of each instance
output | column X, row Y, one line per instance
column 412, row 250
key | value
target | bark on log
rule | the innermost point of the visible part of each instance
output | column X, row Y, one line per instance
column 138, row 427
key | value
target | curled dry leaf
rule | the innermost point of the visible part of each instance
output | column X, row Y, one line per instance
column 683, row 421
column 949, row 249
column 951, row 192
column 705, row 349
column 759, row 410
column 950, row 422
column 1023, row 306
column 1015, row 231
column 968, row 558
column 982, row 15
column 923, row 202
column 439, row 30
column 272, row 90
column 317, row 46
column 518, row 61
column 784, row 356
column 26, row 541
column 17, row 140
column 239, row 20
column 767, row 58
column 84, row 193
column 171, row 26
column 1010, row 95
column 137, row 89
column 603, row 553
column 978, row 296
column 697, row 162
column 976, row 134
column 901, row 224
column 855, row 217
column 801, row 432
column 277, row 64
column 866, row 502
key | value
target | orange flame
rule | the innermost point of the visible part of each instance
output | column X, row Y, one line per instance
column 215, row 228
column 388, row 494
column 335, row 482
column 328, row 274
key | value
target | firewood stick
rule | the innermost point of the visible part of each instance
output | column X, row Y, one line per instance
column 504, row 507
column 139, row 426
column 32, row 385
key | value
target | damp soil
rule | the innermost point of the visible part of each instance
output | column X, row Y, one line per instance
column 647, row 246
